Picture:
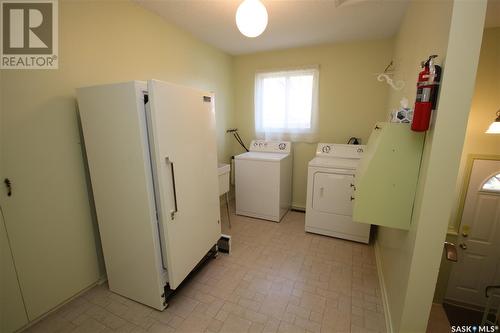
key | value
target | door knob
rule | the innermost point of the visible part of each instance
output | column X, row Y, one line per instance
column 463, row 246
column 352, row 198
column 8, row 184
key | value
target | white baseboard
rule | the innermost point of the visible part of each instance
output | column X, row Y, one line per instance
column 383, row 289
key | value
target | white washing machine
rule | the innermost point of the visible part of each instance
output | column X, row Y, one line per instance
column 331, row 191
column 263, row 178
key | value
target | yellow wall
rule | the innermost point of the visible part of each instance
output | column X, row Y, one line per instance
column 351, row 100
column 409, row 260
column 99, row 42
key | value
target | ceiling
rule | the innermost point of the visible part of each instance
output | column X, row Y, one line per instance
column 292, row 23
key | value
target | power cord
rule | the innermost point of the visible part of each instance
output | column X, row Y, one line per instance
column 354, row 141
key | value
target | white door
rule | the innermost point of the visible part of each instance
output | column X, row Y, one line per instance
column 478, row 241
column 332, row 193
column 182, row 122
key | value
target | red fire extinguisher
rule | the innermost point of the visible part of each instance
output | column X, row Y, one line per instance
column 427, row 91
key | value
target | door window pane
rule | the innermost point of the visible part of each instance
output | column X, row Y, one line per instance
column 492, row 184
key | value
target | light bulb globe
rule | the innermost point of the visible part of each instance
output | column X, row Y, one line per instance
column 251, row 18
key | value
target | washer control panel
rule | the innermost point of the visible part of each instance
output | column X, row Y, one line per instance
column 340, row 150
column 271, row 146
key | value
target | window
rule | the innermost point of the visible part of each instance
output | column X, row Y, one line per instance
column 492, row 184
column 286, row 105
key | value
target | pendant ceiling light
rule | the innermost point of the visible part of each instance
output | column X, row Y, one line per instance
column 495, row 125
column 251, row 18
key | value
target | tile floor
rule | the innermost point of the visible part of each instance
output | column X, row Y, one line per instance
column 277, row 279
column 438, row 321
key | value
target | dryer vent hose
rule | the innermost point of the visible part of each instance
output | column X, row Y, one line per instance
column 237, row 137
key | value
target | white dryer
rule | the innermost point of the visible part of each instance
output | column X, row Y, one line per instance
column 263, row 178
column 331, row 191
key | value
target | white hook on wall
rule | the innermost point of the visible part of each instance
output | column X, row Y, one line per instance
column 398, row 85
column 384, row 76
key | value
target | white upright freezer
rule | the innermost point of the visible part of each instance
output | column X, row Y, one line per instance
column 152, row 157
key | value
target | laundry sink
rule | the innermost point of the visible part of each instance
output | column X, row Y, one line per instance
column 223, row 172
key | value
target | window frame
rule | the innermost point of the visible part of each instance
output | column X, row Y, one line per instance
column 296, row 134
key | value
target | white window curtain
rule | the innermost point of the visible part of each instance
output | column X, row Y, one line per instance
column 286, row 105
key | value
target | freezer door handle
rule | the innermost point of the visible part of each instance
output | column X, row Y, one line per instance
column 172, row 175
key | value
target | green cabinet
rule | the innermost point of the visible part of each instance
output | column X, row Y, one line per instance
column 386, row 180
column 12, row 313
